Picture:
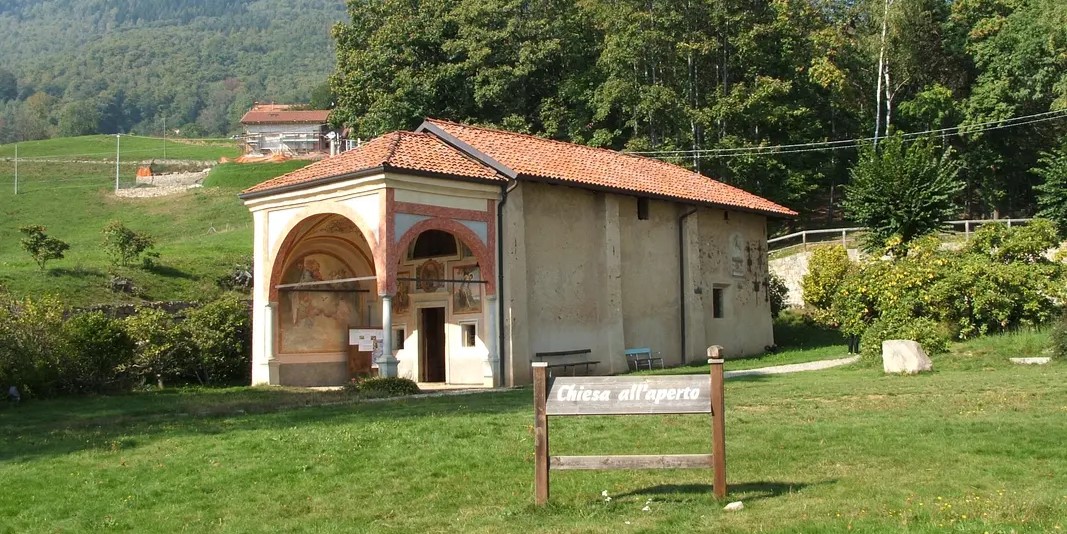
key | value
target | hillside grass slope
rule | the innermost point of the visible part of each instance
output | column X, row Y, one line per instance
column 201, row 234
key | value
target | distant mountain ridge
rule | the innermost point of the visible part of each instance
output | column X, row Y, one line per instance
column 87, row 66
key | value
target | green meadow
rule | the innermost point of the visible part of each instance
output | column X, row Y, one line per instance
column 975, row 446
column 200, row 234
column 131, row 148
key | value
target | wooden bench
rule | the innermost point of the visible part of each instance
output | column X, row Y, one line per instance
column 637, row 358
column 567, row 359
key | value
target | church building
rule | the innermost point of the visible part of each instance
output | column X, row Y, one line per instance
column 459, row 255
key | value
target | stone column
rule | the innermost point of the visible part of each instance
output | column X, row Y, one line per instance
column 694, row 290
column 264, row 366
column 269, row 348
column 492, row 342
column 387, row 362
column 611, row 326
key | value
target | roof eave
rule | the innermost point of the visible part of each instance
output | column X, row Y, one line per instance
column 325, row 180
column 442, row 175
column 381, row 169
column 632, row 193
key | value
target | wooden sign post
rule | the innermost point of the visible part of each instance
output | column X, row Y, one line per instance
column 628, row 395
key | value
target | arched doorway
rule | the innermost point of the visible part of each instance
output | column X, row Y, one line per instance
column 440, row 313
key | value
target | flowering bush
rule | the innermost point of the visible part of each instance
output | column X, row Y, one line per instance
column 827, row 268
column 1000, row 281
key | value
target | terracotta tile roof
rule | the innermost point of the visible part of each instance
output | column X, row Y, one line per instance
column 257, row 116
column 539, row 158
column 420, row 152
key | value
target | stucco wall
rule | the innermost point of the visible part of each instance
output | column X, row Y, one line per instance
column 276, row 219
column 582, row 271
column 564, row 236
column 733, row 254
column 650, row 298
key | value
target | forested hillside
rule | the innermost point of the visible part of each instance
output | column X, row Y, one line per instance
column 74, row 67
column 702, row 82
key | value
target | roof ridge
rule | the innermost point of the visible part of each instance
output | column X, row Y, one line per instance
column 578, row 145
column 396, row 144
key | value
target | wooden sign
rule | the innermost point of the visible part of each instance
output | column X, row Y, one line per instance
column 629, row 395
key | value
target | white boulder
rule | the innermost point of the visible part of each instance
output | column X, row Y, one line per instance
column 904, row 356
column 735, row 506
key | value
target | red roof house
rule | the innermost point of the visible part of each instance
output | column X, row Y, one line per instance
column 277, row 128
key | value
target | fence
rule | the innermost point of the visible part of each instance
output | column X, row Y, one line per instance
column 848, row 237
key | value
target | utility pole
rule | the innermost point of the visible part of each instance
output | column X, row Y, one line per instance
column 164, row 136
column 16, row 168
column 118, row 144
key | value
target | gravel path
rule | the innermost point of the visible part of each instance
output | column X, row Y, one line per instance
column 793, row 368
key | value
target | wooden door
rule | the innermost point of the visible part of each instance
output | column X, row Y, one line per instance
column 432, row 345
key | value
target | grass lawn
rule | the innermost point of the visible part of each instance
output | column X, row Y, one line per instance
column 200, row 234
column 975, row 446
column 132, row 148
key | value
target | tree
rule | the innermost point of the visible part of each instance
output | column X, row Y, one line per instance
column 9, row 86
column 1019, row 55
column 322, row 97
column 40, row 246
column 79, row 118
column 1052, row 192
column 902, row 190
column 123, row 244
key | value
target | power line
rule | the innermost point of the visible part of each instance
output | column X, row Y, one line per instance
column 853, row 143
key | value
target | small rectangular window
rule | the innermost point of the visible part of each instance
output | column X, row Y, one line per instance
column 469, row 334
column 399, row 335
column 717, row 302
column 642, row 209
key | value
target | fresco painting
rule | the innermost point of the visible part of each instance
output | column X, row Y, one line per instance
column 402, row 300
column 467, row 295
column 430, row 275
column 316, row 321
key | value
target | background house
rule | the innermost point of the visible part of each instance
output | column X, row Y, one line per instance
column 279, row 129
column 466, row 251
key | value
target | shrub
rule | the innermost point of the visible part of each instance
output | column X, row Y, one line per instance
column 387, row 387
column 162, row 350
column 125, row 245
column 1059, row 338
column 41, row 247
column 778, row 293
column 30, row 344
column 221, row 339
column 1019, row 244
column 923, row 330
column 976, row 295
column 97, row 348
column 827, row 269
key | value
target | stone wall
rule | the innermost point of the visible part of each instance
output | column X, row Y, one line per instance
column 122, row 311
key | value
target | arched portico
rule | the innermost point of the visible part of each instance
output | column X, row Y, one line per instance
column 323, row 282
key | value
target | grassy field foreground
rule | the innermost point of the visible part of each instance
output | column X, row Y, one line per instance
column 976, row 446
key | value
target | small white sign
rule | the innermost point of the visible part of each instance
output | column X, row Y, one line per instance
column 366, row 339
